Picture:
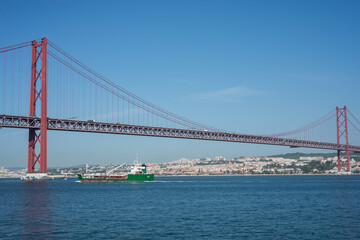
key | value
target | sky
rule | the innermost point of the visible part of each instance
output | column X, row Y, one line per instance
column 255, row 67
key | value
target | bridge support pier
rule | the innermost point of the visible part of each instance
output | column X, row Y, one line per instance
column 342, row 135
column 38, row 91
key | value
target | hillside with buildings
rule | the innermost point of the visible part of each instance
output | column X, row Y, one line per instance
column 294, row 163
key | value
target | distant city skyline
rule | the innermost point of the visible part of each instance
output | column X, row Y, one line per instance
column 254, row 67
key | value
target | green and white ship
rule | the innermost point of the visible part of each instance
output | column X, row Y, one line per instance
column 138, row 173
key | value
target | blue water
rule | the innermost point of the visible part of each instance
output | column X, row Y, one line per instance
column 243, row 207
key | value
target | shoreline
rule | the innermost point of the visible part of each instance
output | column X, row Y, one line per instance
column 204, row 175
column 257, row 175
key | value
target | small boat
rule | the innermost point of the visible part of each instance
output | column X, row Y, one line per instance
column 137, row 174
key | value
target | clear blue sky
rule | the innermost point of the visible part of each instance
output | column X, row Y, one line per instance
column 248, row 66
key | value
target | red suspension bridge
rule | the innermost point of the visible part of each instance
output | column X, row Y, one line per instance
column 67, row 95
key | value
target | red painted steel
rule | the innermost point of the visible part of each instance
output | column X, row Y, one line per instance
column 342, row 134
column 31, row 145
column 101, row 127
column 39, row 52
column 43, row 127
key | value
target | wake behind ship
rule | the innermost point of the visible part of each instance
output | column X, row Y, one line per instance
column 137, row 174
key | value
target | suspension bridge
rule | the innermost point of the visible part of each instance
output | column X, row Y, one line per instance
column 44, row 88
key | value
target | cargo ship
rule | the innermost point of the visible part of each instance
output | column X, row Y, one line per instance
column 137, row 174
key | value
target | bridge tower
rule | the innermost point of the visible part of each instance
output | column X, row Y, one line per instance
column 342, row 136
column 38, row 98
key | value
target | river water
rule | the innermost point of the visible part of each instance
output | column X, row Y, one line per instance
column 216, row 207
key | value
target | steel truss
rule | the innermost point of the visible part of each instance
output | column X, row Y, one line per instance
column 99, row 127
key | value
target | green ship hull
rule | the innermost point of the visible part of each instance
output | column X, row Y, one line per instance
column 128, row 178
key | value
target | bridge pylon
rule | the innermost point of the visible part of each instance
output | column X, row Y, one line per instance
column 342, row 137
column 38, row 98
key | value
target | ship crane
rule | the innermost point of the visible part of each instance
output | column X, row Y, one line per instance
column 108, row 172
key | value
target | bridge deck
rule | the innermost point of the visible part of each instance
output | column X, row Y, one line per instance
column 99, row 127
